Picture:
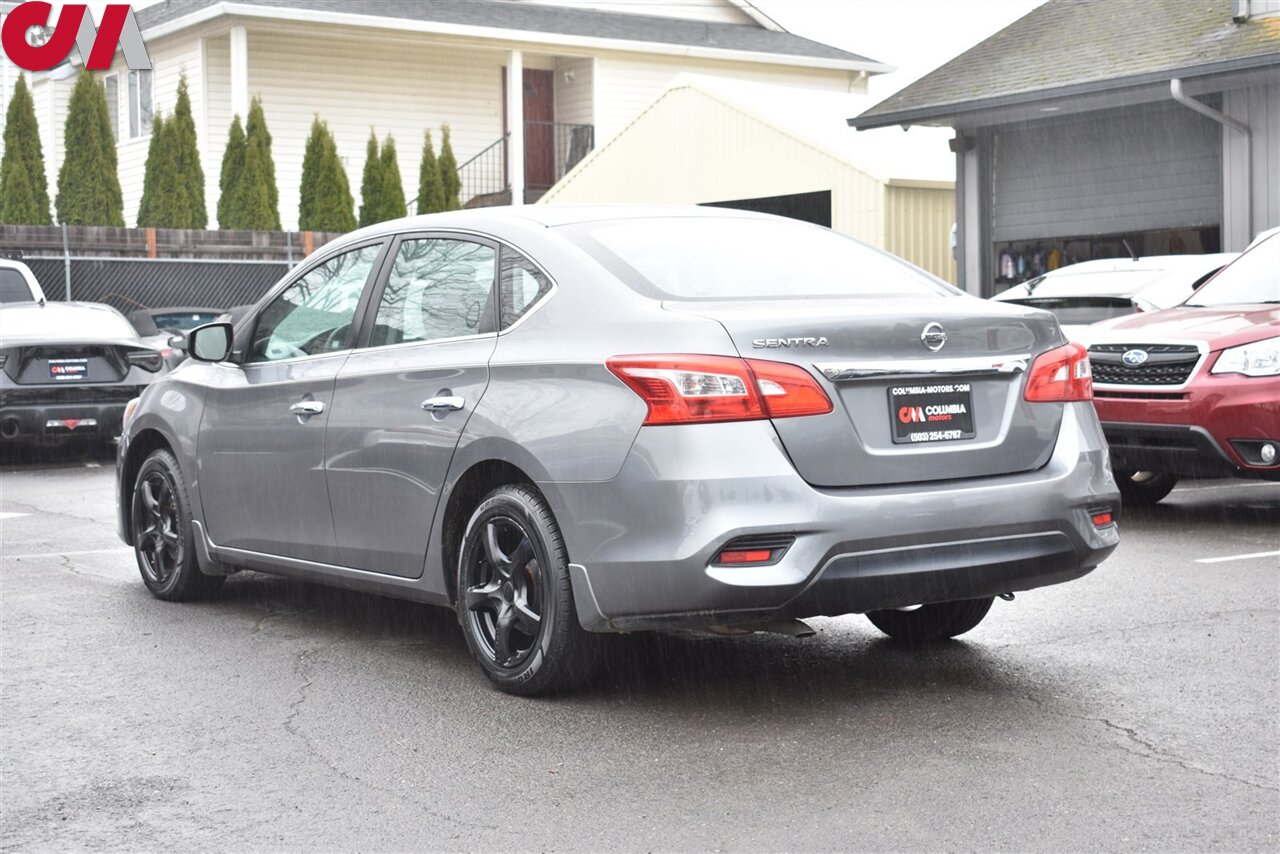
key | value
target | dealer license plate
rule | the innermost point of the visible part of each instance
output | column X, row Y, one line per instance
column 933, row 412
column 68, row 370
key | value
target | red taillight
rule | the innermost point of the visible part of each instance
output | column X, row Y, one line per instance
column 1101, row 520
column 686, row 389
column 1060, row 375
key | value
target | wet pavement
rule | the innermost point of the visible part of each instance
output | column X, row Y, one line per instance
column 1136, row 708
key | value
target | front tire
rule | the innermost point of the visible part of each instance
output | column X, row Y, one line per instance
column 163, row 537
column 1144, row 488
column 515, row 600
column 934, row 622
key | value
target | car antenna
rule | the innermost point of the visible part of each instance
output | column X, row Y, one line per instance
column 1132, row 254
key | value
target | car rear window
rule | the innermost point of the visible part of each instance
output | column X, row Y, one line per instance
column 724, row 258
column 13, row 287
column 1080, row 311
column 184, row 321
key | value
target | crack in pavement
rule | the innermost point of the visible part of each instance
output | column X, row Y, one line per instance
column 1151, row 751
column 291, row 727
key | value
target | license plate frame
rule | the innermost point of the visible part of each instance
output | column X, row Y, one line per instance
column 69, row 370
column 928, row 413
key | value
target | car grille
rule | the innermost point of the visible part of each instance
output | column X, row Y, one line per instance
column 1167, row 364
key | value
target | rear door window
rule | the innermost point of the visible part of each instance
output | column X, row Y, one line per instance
column 13, row 286
column 438, row 288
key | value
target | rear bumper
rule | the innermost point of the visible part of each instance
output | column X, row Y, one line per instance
column 44, row 412
column 685, row 493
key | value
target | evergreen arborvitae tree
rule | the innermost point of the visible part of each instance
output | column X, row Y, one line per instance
column 325, row 202
column 24, row 192
column 393, row 204
column 88, row 186
column 151, row 179
column 232, row 168
column 312, row 162
column 449, row 172
column 371, row 183
column 259, row 140
column 191, row 213
column 430, row 187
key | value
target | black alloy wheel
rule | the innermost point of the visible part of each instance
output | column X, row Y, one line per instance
column 515, row 598
column 163, row 537
column 156, row 528
column 504, row 595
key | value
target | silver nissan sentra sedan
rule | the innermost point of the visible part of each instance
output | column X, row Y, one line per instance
column 561, row 421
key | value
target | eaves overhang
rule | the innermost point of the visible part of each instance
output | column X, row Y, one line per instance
column 230, row 8
column 947, row 114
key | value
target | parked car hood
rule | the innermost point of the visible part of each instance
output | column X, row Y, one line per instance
column 1226, row 326
column 79, row 322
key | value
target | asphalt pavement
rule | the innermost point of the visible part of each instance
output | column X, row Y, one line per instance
column 1135, row 709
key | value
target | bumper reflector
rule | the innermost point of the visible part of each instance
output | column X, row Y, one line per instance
column 745, row 556
column 1101, row 520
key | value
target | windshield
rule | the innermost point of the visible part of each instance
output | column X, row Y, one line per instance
column 1079, row 311
column 185, row 321
column 1254, row 278
column 719, row 258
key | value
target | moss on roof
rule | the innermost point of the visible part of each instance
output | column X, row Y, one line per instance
column 1067, row 43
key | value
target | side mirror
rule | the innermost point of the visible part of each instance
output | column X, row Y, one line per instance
column 210, row 343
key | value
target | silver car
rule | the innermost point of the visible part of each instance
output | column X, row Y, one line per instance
column 561, row 421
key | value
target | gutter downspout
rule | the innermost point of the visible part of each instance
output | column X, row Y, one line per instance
column 1175, row 91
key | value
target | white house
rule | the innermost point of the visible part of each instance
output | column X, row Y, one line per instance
column 548, row 78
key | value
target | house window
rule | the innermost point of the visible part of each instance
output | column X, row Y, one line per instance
column 139, row 103
column 112, row 84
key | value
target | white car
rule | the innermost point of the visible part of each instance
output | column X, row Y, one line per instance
column 1093, row 291
column 18, row 284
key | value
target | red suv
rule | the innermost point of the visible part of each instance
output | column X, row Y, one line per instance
column 1194, row 390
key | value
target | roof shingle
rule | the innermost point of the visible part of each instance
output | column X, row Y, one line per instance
column 1075, row 43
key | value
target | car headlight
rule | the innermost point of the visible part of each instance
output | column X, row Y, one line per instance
column 1259, row 359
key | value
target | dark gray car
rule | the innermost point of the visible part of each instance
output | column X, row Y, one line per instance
column 564, row 420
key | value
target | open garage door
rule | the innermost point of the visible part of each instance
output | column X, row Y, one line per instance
column 1154, row 166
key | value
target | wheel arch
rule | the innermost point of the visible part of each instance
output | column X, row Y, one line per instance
column 468, row 490
column 141, row 446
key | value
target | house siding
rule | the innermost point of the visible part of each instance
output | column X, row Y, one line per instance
column 1259, row 108
column 918, row 226
column 626, row 83
column 573, row 87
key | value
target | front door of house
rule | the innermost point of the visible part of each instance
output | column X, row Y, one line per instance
column 539, row 127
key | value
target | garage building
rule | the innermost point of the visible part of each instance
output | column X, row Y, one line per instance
column 707, row 140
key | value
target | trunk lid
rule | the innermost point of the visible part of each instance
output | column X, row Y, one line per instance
column 871, row 358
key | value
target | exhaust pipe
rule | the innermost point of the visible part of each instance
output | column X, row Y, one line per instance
column 10, row 429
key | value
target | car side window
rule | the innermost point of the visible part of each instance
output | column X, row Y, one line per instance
column 13, row 287
column 523, row 285
column 438, row 288
column 316, row 313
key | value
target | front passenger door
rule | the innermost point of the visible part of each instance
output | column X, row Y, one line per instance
column 262, row 435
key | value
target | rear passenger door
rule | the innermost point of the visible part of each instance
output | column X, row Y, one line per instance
column 401, row 401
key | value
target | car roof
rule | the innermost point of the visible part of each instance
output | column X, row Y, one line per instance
column 549, row 216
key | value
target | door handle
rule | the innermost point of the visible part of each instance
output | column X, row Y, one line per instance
column 451, row 403
column 304, row 408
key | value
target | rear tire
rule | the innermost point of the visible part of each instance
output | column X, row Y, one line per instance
column 515, row 599
column 1144, row 488
column 934, row 622
column 163, row 537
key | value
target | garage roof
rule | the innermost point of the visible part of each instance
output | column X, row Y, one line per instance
column 540, row 18
column 1073, row 47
